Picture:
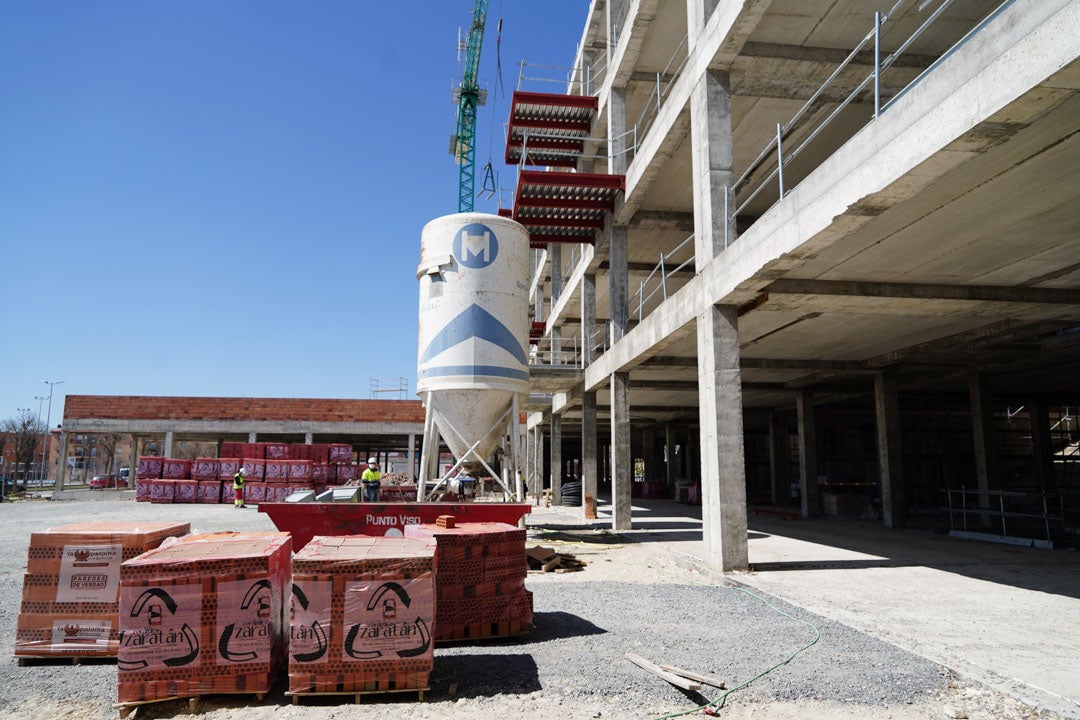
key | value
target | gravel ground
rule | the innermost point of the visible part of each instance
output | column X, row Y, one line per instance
column 628, row 599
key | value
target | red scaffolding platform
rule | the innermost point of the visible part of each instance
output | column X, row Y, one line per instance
column 564, row 207
column 550, row 129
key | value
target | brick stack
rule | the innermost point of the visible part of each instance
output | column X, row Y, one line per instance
column 272, row 472
column 480, row 571
column 70, row 590
column 203, row 616
column 362, row 612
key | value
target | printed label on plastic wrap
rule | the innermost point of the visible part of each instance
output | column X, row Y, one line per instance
column 74, row 635
column 388, row 619
column 309, row 625
column 89, row 573
column 247, row 621
column 159, row 627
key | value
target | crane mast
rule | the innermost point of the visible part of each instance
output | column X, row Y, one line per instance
column 469, row 98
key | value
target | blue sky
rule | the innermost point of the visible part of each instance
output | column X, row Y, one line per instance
column 225, row 197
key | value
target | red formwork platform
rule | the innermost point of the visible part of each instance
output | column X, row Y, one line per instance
column 306, row 520
column 550, row 129
column 564, row 207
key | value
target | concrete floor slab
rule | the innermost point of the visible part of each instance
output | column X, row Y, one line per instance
column 1006, row 616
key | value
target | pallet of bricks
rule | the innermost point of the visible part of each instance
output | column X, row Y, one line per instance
column 363, row 609
column 480, row 571
column 203, row 616
column 272, row 472
column 71, row 587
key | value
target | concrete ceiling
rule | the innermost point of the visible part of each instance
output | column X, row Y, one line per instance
column 1004, row 216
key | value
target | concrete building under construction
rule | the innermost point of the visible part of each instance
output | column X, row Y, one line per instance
column 818, row 253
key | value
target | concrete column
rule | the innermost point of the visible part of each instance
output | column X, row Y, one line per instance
column 780, row 483
column 670, row 443
column 890, row 453
column 617, row 137
column 412, row 455
column 527, row 453
column 309, row 438
column 1041, row 448
column 618, row 282
column 556, row 460
column 63, row 462
column 808, row 466
column 588, row 317
column 537, row 483
column 622, row 471
column 133, row 461
column 252, row 437
column 167, row 450
column 616, row 12
column 723, row 471
column 712, row 161
column 982, row 418
column 698, row 13
column 588, row 447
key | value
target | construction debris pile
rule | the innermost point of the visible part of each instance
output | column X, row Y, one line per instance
column 545, row 559
column 72, row 584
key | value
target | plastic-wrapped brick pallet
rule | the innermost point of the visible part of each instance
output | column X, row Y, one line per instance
column 203, row 616
column 479, row 580
column 72, row 582
column 362, row 612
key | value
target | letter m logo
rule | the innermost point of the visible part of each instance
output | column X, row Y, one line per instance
column 475, row 246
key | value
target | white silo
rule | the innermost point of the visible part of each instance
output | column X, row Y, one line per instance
column 474, row 329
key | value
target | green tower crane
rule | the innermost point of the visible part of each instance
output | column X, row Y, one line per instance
column 463, row 145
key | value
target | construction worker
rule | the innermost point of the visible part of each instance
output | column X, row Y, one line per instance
column 238, row 489
column 371, row 480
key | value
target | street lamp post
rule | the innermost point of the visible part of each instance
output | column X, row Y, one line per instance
column 44, row 436
column 48, row 420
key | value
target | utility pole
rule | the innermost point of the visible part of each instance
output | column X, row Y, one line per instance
column 48, row 420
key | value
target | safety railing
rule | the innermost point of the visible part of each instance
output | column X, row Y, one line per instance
column 654, row 289
column 773, row 158
column 552, row 351
column 665, row 79
column 582, row 79
column 598, row 142
column 981, row 511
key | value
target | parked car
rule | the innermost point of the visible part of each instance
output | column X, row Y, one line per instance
column 11, row 486
column 100, row 482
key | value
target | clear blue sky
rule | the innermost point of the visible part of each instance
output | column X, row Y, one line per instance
column 225, row 197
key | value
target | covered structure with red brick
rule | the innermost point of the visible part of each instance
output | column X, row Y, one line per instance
column 370, row 426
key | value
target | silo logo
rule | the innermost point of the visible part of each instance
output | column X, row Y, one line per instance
column 475, row 246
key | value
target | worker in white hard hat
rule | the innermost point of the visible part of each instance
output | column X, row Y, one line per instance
column 238, row 489
column 371, row 480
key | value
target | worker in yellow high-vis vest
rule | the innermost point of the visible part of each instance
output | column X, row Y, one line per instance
column 238, row 488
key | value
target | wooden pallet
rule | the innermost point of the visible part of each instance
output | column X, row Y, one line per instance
column 357, row 695
column 193, row 702
column 25, row 660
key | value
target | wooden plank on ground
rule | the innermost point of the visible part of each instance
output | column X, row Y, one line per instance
column 655, row 669
column 707, row 680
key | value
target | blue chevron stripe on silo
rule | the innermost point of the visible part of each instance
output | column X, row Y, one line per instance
column 474, row 321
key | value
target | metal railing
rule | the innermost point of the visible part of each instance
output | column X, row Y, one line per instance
column 582, row 79
column 775, row 156
column 665, row 79
column 556, row 351
column 1011, row 505
column 659, row 279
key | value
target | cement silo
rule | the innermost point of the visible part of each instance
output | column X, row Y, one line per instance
column 472, row 368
